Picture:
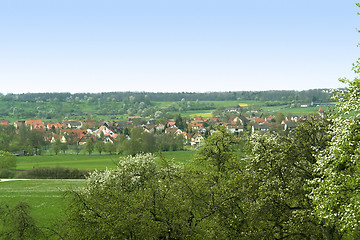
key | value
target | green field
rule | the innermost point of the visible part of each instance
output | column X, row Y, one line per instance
column 87, row 162
column 46, row 197
column 294, row 111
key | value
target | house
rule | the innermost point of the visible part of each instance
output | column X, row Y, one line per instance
column 197, row 140
column 160, row 127
column 72, row 124
column 289, row 125
column 130, row 118
column 54, row 137
column 238, row 120
column 195, row 126
column 109, row 139
column 260, row 128
column 18, row 124
column 173, row 130
column 258, row 120
column 4, row 122
column 89, row 123
column 202, row 130
column 171, row 124
column 235, row 128
column 214, row 120
column 84, row 139
column 270, row 118
column 52, row 125
column 197, row 120
column 73, row 135
column 104, row 130
column 35, row 124
column 188, row 136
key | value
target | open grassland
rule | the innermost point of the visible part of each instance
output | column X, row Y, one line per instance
column 46, row 197
column 87, row 162
column 297, row 111
column 83, row 162
column 195, row 113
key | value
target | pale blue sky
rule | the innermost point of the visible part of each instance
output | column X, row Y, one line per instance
column 228, row 45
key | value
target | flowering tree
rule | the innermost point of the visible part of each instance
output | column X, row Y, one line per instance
column 137, row 200
column 275, row 173
column 336, row 191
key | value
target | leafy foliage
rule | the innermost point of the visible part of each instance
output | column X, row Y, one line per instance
column 7, row 160
column 137, row 200
column 335, row 189
column 16, row 223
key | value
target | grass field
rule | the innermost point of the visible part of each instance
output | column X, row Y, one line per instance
column 85, row 162
column 46, row 197
column 297, row 111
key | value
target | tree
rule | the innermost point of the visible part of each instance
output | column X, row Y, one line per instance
column 16, row 223
column 335, row 190
column 89, row 146
column 137, row 200
column 99, row 146
column 36, row 140
column 216, row 180
column 139, row 142
column 180, row 123
column 7, row 160
column 279, row 117
column 218, row 151
column 275, row 180
column 77, row 148
column 64, row 147
column 57, row 146
column 110, row 147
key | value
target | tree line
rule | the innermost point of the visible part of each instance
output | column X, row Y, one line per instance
column 316, row 95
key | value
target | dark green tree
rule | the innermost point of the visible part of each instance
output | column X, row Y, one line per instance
column 64, row 146
column 17, row 223
column 110, row 147
column 89, row 146
column 57, row 146
column 99, row 146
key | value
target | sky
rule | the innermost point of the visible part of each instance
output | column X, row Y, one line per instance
column 176, row 46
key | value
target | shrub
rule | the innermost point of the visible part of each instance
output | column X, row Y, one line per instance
column 54, row 173
column 5, row 173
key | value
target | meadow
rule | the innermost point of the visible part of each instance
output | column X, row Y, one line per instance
column 46, row 197
column 88, row 162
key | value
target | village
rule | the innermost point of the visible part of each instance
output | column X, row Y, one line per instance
column 193, row 132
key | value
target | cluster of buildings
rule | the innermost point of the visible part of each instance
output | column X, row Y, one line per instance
column 195, row 132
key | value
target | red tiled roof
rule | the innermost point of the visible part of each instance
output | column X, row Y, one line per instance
column 4, row 122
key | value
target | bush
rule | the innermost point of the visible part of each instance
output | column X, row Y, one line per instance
column 7, row 160
column 54, row 173
column 5, row 173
